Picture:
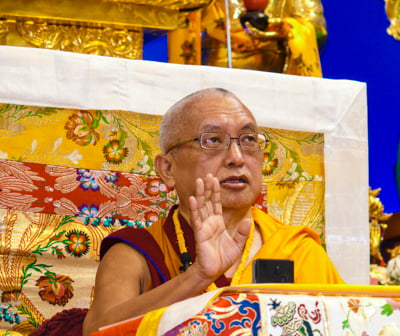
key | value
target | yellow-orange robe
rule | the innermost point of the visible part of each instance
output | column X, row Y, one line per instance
column 298, row 243
column 158, row 244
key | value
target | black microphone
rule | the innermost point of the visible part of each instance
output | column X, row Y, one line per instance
column 186, row 260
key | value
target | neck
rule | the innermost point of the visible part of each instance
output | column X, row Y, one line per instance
column 232, row 218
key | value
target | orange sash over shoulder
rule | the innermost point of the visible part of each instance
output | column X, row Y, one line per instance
column 298, row 243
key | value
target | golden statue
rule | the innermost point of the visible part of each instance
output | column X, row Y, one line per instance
column 287, row 44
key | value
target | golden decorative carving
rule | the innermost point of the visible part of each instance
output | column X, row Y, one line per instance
column 377, row 226
column 155, row 14
column 99, row 41
column 3, row 31
column 392, row 8
column 172, row 4
column 102, row 27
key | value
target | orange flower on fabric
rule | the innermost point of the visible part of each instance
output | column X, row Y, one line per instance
column 354, row 305
column 77, row 243
column 81, row 128
column 55, row 289
column 269, row 165
column 114, row 152
column 151, row 216
column 156, row 186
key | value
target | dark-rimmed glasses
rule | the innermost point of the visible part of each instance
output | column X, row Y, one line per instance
column 221, row 141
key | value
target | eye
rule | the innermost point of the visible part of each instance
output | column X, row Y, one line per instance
column 249, row 138
column 213, row 139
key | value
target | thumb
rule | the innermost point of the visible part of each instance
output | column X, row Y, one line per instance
column 242, row 233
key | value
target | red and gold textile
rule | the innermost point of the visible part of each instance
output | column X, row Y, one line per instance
column 275, row 310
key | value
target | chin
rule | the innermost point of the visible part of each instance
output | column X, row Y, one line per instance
column 238, row 200
column 236, row 204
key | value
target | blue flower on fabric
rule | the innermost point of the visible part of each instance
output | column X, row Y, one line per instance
column 108, row 221
column 9, row 313
column 112, row 177
column 88, row 210
column 88, row 179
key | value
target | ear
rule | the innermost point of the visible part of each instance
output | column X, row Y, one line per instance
column 163, row 165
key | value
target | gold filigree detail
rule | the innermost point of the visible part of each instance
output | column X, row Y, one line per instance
column 376, row 207
column 377, row 226
column 98, row 41
column 392, row 8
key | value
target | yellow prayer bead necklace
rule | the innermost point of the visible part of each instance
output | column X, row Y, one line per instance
column 245, row 255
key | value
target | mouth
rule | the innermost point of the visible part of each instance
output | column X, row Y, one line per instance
column 235, row 181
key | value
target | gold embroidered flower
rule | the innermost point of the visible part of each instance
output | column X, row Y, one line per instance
column 114, row 152
column 77, row 243
column 55, row 289
column 269, row 165
column 81, row 128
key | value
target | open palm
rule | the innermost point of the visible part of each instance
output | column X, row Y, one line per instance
column 216, row 249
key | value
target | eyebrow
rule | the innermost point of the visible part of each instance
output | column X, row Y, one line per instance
column 213, row 127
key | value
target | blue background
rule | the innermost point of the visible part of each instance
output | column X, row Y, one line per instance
column 358, row 48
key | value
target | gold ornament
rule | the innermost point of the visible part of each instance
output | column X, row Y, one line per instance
column 392, row 8
column 377, row 226
column 98, row 41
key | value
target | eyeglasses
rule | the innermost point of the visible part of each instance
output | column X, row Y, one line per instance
column 221, row 141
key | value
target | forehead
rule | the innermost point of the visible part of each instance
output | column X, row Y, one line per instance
column 221, row 113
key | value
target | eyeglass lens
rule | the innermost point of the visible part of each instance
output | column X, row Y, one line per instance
column 247, row 141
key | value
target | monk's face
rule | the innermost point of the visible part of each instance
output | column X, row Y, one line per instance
column 238, row 171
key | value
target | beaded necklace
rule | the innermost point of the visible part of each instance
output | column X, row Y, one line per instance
column 246, row 251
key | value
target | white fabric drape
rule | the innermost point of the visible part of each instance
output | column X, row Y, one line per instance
column 335, row 107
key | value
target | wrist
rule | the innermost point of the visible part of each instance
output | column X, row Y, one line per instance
column 196, row 279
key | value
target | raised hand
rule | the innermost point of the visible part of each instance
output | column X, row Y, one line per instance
column 216, row 249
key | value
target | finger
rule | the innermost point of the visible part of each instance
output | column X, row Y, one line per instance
column 201, row 199
column 216, row 197
column 194, row 214
column 208, row 193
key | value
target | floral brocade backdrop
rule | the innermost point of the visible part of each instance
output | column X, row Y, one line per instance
column 70, row 177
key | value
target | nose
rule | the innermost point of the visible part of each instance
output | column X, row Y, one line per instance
column 234, row 154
